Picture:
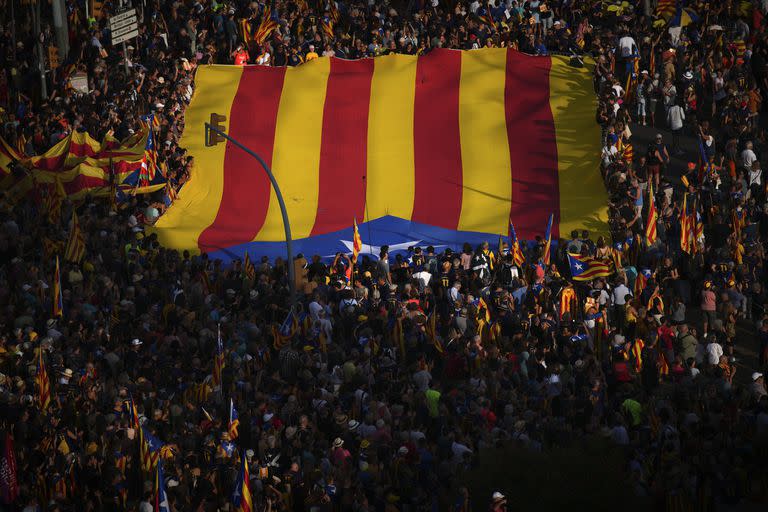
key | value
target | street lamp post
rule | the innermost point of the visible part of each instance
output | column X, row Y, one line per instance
column 214, row 133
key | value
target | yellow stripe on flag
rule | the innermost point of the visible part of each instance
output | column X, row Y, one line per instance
column 583, row 200
column 296, row 158
column 487, row 182
column 198, row 202
column 390, row 138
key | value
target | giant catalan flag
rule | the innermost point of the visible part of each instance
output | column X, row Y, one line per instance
column 439, row 149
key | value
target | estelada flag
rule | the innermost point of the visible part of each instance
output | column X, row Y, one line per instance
column 586, row 268
column 546, row 255
column 442, row 148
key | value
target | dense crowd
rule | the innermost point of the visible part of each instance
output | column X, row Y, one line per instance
column 383, row 387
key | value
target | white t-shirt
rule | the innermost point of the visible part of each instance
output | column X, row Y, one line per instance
column 714, row 351
column 675, row 117
column 747, row 157
column 626, row 46
column 619, row 293
column 314, row 310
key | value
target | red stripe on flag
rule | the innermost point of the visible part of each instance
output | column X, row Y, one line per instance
column 437, row 140
column 81, row 181
column 343, row 150
column 245, row 198
column 532, row 145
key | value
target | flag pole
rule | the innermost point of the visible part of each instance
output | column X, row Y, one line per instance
column 221, row 134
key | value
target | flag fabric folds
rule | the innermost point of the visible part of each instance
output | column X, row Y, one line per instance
column 161, row 497
column 546, row 255
column 234, row 420
column 266, row 27
column 58, row 297
column 43, row 384
column 241, row 496
column 149, row 448
column 586, row 268
column 650, row 225
column 218, row 361
column 287, row 330
column 84, row 166
column 357, row 242
column 248, row 267
column 75, row 250
column 666, row 8
column 458, row 168
column 685, row 235
column 514, row 247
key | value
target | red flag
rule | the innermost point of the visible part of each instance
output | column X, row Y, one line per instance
column 9, row 483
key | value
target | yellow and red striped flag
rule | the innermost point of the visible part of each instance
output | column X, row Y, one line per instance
column 546, row 256
column 514, row 247
column 663, row 364
column 43, row 384
column 637, row 353
column 241, row 497
column 75, row 250
column 438, row 144
column 586, row 268
column 218, row 361
column 666, row 8
column 266, row 27
column 58, row 297
column 685, row 233
column 248, row 267
column 357, row 242
column 234, row 421
column 650, row 226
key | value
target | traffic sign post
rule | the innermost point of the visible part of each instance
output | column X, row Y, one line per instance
column 123, row 27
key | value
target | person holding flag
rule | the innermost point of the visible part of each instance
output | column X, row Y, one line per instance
column 514, row 247
column 357, row 246
column 546, row 254
column 161, row 497
column 234, row 421
column 241, row 496
column 650, row 225
column 58, row 297
column 218, row 361
column 43, row 384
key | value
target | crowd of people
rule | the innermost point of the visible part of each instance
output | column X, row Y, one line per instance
column 381, row 389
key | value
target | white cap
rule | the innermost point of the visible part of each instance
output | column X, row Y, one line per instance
column 496, row 496
column 136, row 342
column 756, row 375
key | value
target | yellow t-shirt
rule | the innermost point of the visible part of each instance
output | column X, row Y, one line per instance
column 311, row 56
